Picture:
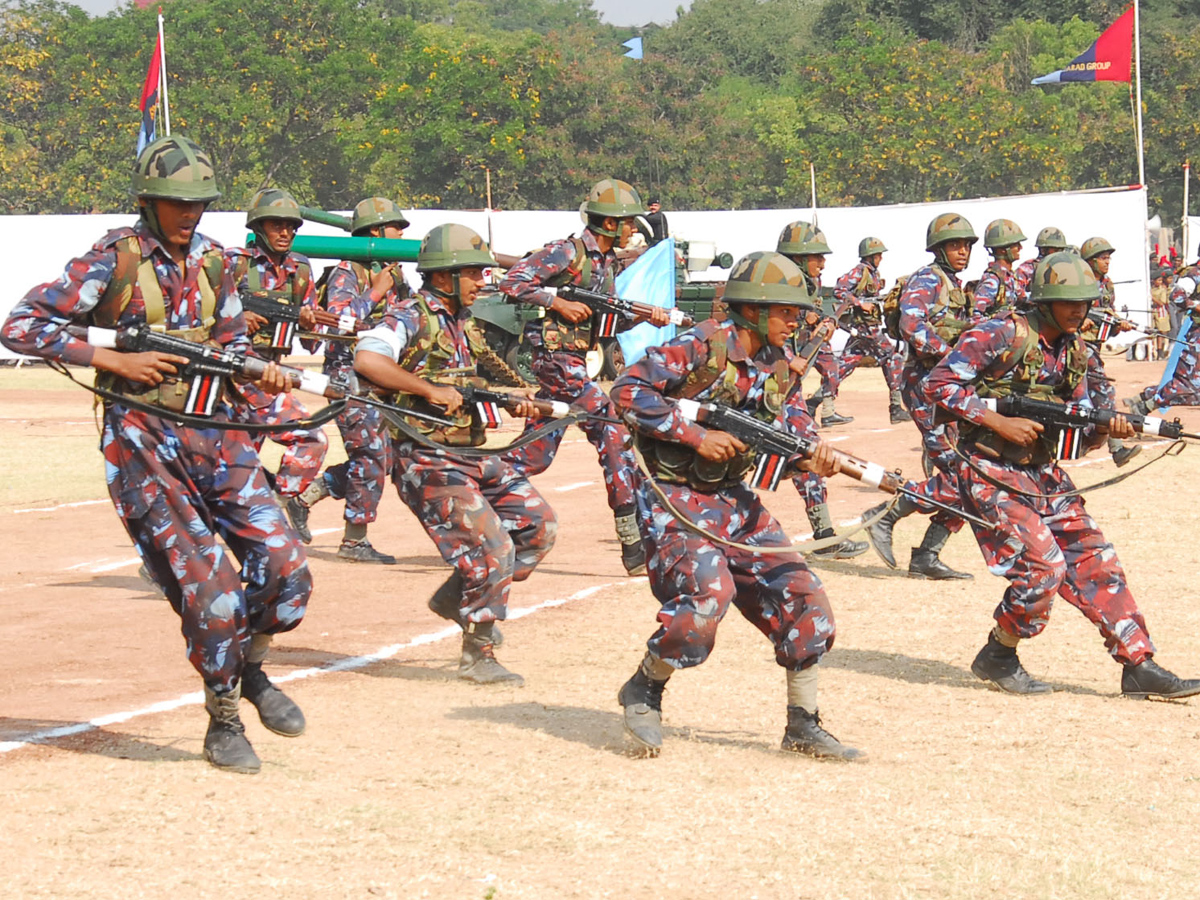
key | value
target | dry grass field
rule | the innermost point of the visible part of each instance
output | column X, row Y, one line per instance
column 409, row 783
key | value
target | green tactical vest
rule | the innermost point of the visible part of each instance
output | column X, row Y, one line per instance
column 135, row 273
column 1022, row 362
column 557, row 332
column 953, row 300
column 675, row 463
column 1001, row 302
column 294, row 297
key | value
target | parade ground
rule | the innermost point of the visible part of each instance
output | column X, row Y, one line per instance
column 409, row 783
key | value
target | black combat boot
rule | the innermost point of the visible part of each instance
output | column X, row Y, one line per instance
column 896, row 411
column 805, row 735
column 880, row 534
column 641, row 696
column 478, row 663
column 633, row 552
column 225, row 744
column 830, row 416
column 276, row 710
column 297, row 514
column 445, row 603
column 814, row 401
column 362, row 551
column 999, row 664
column 925, row 562
column 1139, row 405
column 847, row 549
column 1123, row 453
column 1149, row 680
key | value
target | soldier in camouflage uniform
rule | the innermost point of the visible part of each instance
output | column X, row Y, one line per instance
column 805, row 245
column 1048, row 240
column 997, row 290
column 1042, row 539
column 699, row 472
column 1183, row 387
column 359, row 294
column 485, row 518
column 184, row 493
column 863, row 285
column 934, row 311
column 268, row 270
column 562, row 338
column 1098, row 254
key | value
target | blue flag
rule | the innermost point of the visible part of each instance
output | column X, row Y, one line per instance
column 651, row 279
column 635, row 48
column 1176, row 352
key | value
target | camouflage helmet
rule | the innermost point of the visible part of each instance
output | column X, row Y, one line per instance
column 869, row 246
column 453, row 247
column 175, row 168
column 801, row 239
column 948, row 227
column 1094, row 246
column 1063, row 276
column 273, row 203
column 1051, row 238
column 767, row 278
column 613, row 197
column 376, row 211
column 1002, row 233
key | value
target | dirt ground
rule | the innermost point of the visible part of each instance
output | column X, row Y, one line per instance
column 409, row 783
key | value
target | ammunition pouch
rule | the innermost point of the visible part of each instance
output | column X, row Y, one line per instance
column 560, row 335
column 468, row 429
column 674, row 463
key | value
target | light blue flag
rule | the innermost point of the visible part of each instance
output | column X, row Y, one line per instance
column 635, row 48
column 651, row 279
column 1176, row 351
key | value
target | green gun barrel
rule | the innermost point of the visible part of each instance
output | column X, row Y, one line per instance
column 313, row 214
column 358, row 249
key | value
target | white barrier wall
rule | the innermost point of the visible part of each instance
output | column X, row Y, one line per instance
column 34, row 249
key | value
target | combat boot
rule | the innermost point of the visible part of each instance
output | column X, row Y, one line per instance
column 633, row 551
column 999, row 664
column 641, row 696
column 225, row 744
column 297, row 507
column 925, row 562
column 847, row 549
column 805, row 735
column 446, row 601
column 1124, row 453
column 830, row 416
column 362, row 551
column 1150, row 680
column 814, row 401
column 896, row 411
column 880, row 534
column 1139, row 405
column 478, row 663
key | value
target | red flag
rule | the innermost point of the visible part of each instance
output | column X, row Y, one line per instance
column 1106, row 60
column 149, row 101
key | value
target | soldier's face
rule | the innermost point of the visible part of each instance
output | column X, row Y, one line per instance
column 626, row 230
column 781, row 324
column 875, row 259
column 1069, row 315
column 1101, row 262
column 278, row 233
column 391, row 231
column 814, row 264
column 178, row 219
column 958, row 253
column 470, row 283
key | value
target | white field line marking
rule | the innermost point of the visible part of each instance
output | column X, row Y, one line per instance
column 575, row 485
column 341, row 665
column 109, row 567
column 879, row 430
column 834, row 440
column 61, row 506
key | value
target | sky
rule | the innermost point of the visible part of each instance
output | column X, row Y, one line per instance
column 615, row 12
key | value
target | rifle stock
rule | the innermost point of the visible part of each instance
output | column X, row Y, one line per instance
column 630, row 309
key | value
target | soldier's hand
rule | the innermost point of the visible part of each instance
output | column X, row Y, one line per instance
column 382, row 282
column 253, row 321
column 272, row 380
column 1022, row 432
column 719, row 446
column 308, row 318
column 658, row 317
column 324, row 317
column 570, row 310
column 150, row 367
column 444, row 396
column 821, row 462
column 1126, row 325
column 1119, row 427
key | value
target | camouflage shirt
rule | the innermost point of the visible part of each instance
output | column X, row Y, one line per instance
column 989, row 298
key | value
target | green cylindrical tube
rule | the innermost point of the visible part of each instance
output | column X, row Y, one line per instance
column 313, row 214
column 358, row 249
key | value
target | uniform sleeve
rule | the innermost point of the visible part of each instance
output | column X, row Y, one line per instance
column 798, row 421
column 309, row 300
column 344, row 296
column 36, row 326
column 640, row 390
column 846, row 285
column 391, row 336
column 918, row 298
column 229, row 327
column 524, row 281
column 951, row 384
column 985, row 295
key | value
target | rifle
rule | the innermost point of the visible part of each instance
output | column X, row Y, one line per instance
column 609, row 307
column 776, row 447
column 1068, row 418
column 207, row 365
column 808, row 352
column 282, row 318
column 1107, row 322
column 489, row 403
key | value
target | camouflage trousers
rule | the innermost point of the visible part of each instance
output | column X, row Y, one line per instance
column 811, row 488
column 826, row 363
column 1100, row 390
column 303, row 449
column 486, row 520
column 695, row 580
column 1184, row 387
column 874, row 344
column 360, row 479
column 937, row 439
column 1049, row 546
column 178, row 490
column 563, row 377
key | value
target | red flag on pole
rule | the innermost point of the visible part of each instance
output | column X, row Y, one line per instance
column 149, row 101
column 1106, row 60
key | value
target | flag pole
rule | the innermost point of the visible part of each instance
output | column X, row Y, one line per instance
column 1137, row 55
column 812, row 175
column 162, row 47
column 1187, row 173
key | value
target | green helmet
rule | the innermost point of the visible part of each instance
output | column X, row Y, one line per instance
column 1094, row 246
column 1063, row 276
column 948, row 227
column 801, row 239
column 453, row 247
column 376, row 211
column 1051, row 238
column 1003, row 233
column 767, row 278
column 175, row 168
column 273, row 203
column 613, row 197
column 869, row 246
